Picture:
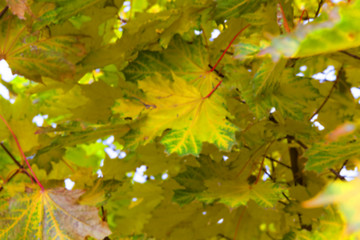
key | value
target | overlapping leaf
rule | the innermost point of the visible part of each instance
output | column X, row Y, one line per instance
column 332, row 33
column 233, row 8
column 52, row 214
column 323, row 155
column 214, row 182
column 191, row 118
column 35, row 55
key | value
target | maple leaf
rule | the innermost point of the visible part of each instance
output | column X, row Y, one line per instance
column 173, row 94
column 180, row 107
column 189, row 61
column 34, row 55
column 324, row 155
column 52, row 214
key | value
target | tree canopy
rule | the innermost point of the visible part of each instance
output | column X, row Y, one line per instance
column 180, row 119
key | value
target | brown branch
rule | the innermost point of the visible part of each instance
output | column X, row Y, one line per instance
column 304, row 226
column 11, row 156
column 294, row 157
column 22, row 154
column 104, row 214
column 337, row 174
column 301, row 144
column 277, row 161
column 21, row 167
column 287, row 198
column 351, row 55
column 2, row 13
column 268, row 174
column 227, row 52
column 217, row 72
column 13, row 175
column 319, row 8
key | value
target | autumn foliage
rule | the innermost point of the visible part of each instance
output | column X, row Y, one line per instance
column 180, row 119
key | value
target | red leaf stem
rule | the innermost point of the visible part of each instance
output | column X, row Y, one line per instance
column 286, row 25
column 220, row 58
column 21, row 152
column 302, row 15
column 238, row 223
column 227, row 48
column 262, row 162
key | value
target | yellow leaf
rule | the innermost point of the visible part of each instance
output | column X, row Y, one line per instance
column 180, row 107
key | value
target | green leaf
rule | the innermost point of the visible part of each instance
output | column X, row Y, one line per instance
column 86, row 155
column 35, row 55
column 191, row 118
column 323, row 155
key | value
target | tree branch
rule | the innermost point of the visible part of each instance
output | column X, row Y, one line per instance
column 319, row 8
column 294, row 157
column 11, row 156
column 351, row 55
column 277, row 161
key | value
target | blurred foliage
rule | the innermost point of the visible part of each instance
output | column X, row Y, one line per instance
column 172, row 132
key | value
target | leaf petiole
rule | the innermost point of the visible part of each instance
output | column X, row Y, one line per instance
column 220, row 58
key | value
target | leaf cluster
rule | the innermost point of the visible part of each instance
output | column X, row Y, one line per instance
column 170, row 132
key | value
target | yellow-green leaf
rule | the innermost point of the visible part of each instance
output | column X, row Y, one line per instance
column 52, row 214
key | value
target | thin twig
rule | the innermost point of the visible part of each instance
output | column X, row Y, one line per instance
column 11, row 156
column 21, row 167
column 287, row 198
column 277, row 161
column 302, row 15
column 319, row 8
column 301, row 144
column 268, row 174
column 2, row 13
column 228, row 46
column 13, row 175
column 337, row 175
column 351, row 55
column 217, row 72
column 230, row 53
column 328, row 96
column 22, row 153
